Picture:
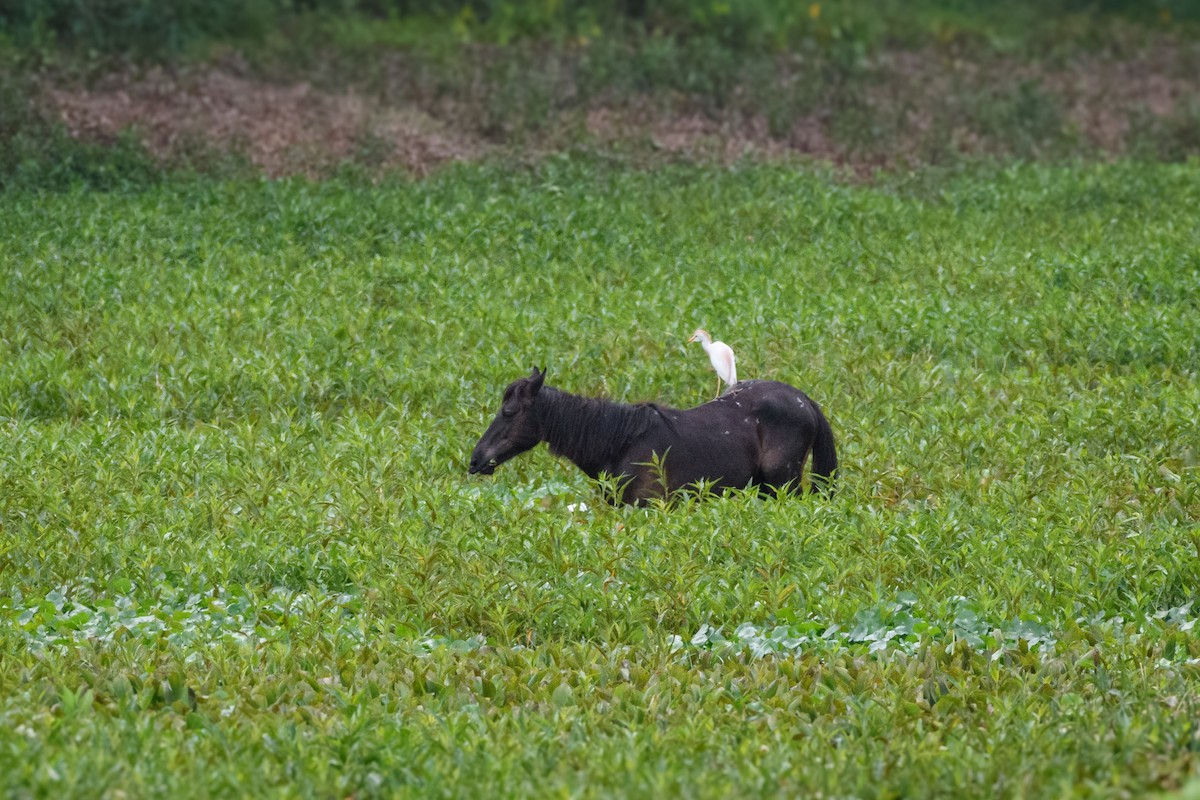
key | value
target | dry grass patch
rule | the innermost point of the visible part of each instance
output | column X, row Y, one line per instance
column 281, row 129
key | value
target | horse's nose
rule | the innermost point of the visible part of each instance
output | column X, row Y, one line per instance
column 481, row 463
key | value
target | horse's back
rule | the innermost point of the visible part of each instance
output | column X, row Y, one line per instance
column 769, row 400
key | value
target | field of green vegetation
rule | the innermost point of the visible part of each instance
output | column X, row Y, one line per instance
column 240, row 554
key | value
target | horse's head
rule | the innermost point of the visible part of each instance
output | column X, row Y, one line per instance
column 515, row 428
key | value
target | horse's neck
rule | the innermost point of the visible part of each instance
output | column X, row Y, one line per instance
column 588, row 431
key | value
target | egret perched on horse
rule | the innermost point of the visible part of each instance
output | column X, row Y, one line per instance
column 760, row 433
column 720, row 355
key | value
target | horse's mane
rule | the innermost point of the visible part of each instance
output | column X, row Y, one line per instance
column 591, row 428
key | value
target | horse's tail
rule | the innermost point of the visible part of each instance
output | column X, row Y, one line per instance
column 825, row 461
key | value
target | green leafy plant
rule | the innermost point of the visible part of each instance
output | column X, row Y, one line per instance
column 240, row 553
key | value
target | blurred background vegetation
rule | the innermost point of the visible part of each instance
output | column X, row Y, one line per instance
column 152, row 28
column 870, row 85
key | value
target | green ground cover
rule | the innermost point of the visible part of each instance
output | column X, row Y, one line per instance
column 239, row 551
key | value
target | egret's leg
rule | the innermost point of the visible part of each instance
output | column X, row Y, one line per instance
column 718, row 394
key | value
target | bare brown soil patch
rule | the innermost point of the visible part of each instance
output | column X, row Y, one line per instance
column 282, row 129
column 1104, row 98
column 901, row 107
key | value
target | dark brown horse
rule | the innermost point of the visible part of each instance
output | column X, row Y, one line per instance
column 759, row 433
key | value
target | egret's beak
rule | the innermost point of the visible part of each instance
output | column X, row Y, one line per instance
column 692, row 339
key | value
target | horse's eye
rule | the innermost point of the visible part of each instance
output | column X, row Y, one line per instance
column 508, row 410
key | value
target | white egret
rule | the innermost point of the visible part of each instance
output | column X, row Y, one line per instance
column 721, row 356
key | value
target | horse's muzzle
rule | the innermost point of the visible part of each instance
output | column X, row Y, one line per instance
column 480, row 467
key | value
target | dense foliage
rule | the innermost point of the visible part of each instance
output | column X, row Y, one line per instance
column 239, row 552
column 153, row 28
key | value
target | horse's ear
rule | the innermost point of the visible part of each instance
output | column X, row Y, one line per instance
column 536, row 379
